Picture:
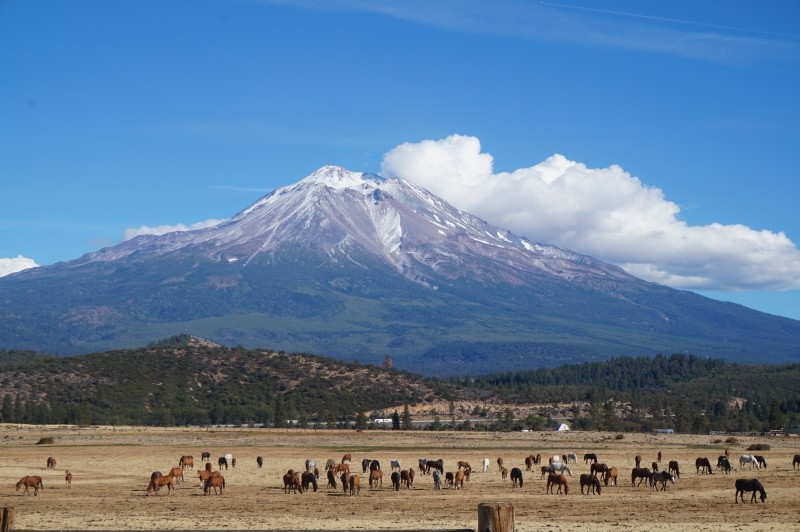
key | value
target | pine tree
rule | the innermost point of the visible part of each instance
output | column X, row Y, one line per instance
column 395, row 421
column 406, row 417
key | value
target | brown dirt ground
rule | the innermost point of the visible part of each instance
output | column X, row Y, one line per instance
column 111, row 468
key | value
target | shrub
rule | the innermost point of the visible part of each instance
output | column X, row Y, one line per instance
column 46, row 440
column 759, row 447
column 732, row 441
column 619, row 437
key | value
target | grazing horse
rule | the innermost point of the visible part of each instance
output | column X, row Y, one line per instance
column 499, row 463
column 437, row 479
column 663, row 477
column 395, row 480
column 435, row 464
column 642, row 473
column 291, row 481
column 611, row 475
column 448, row 479
column 394, row 463
column 761, row 461
column 554, row 479
column 374, row 466
column 158, row 482
column 460, row 476
column 222, row 461
column 205, row 456
column 423, row 466
column 485, row 465
column 591, row 482
column 217, row 482
column 724, row 464
column 796, row 461
column 589, row 457
column 177, row 472
column 365, row 464
column 260, row 462
column 674, row 469
column 355, row 484
column 341, row 467
column 375, row 477
column 598, row 469
column 464, row 465
column 308, row 478
column 331, row 479
column 753, row 485
column 516, row 476
column 529, row 461
column 545, row 470
column 572, row 458
column 748, row 459
column 560, row 467
column 503, row 473
column 51, row 462
column 186, row 462
column 203, row 475
column 704, row 464
column 30, row 482
column 68, row 479
column 347, row 458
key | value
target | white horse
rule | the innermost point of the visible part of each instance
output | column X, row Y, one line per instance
column 560, row 467
column 555, row 459
column 749, row 459
column 485, row 465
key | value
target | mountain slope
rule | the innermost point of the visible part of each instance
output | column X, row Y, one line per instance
column 356, row 266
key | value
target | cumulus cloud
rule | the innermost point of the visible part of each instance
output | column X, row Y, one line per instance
column 603, row 212
column 164, row 229
column 16, row 264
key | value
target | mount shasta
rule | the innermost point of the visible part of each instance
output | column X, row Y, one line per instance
column 356, row 266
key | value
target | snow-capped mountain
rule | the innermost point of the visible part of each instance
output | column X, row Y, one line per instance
column 354, row 265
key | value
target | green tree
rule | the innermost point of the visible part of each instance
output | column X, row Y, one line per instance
column 278, row 414
column 361, row 421
column 406, row 418
column 395, row 421
column 775, row 418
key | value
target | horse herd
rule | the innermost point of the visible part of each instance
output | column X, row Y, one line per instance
column 554, row 471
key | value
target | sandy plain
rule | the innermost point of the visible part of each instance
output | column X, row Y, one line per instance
column 111, row 469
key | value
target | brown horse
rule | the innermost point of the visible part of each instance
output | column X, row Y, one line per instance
column 51, row 462
column 260, row 462
column 375, row 477
column 291, row 481
column 341, row 468
column 331, row 479
column 30, row 482
column 203, row 475
column 500, row 463
column 591, row 482
column 405, row 479
column 796, row 461
column 642, row 473
column 598, row 469
column 156, row 483
column 347, row 458
column 68, row 479
column 459, row 480
column 704, row 464
column 186, row 462
column 610, row 477
column 222, row 461
column 504, row 473
column 554, row 479
column 217, row 482
column 345, row 478
column 659, row 457
column 355, row 484
column 530, row 460
column 177, row 472
column 638, row 460
column 464, row 465
column 674, row 469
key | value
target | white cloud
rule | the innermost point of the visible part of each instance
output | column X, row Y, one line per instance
column 603, row 212
column 16, row 264
column 164, row 229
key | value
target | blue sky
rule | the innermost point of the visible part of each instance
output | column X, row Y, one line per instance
column 661, row 136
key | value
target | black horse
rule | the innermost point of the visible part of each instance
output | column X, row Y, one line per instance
column 259, row 461
column 516, row 476
column 395, row 481
column 222, row 461
column 308, row 478
column 374, row 465
column 365, row 464
column 642, row 473
column 589, row 456
column 753, row 485
column 205, row 456
column 663, row 477
column 724, row 464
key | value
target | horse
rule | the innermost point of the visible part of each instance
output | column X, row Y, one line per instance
column 423, row 466
column 437, row 479
column 186, row 462
column 374, row 466
column 68, row 479
column 467, row 473
column 724, row 464
column 217, row 482
column 642, row 473
column 704, row 464
column 460, row 476
column 158, row 482
column 555, row 459
column 572, row 458
column 659, row 457
column 260, row 462
column 516, row 477
column 503, row 473
column 553, row 479
column 222, row 461
column 331, row 479
column 308, row 478
column 485, row 465
column 330, row 464
column 753, row 485
column 598, row 469
column 464, row 465
column 748, row 459
column 560, row 467
column 761, row 461
column 365, row 464
column 203, row 475
column 638, row 460
column 499, row 463
column 205, row 456
column 347, row 458
column 310, row 465
column 591, row 482
column 796, row 461
column 291, row 481
column 394, row 463
column 316, row 473
column 448, row 479
column 529, row 461
column 395, row 477
column 589, row 457
column 654, row 466
column 674, row 469
column 410, row 478
column 435, row 464
column 176, row 472
column 545, row 470
column 30, row 482
column 341, row 467
column 405, row 479
column 663, row 477
column 345, row 478
column 375, row 477
column 355, row 484
column 610, row 476
column 51, row 462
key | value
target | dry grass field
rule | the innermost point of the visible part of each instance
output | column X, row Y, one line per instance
column 111, row 469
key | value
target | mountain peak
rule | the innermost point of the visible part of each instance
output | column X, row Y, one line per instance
column 338, row 177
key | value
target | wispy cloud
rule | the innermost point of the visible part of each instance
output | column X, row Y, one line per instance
column 16, row 264
column 164, row 229
column 564, row 23
column 604, row 212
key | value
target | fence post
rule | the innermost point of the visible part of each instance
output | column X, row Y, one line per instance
column 7, row 519
column 495, row 517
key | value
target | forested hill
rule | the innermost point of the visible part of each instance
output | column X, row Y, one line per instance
column 684, row 392
column 188, row 381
